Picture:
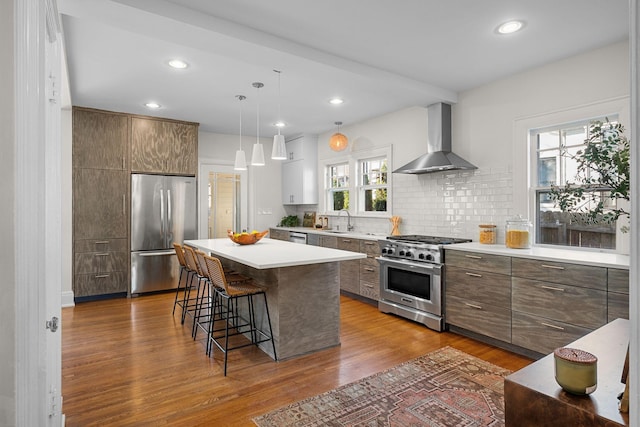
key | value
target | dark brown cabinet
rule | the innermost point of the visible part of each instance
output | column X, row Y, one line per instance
column 531, row 303
column 478, row 293
column 163, row 146
column 100, row 140
column 100, row 202
column 101, row 266
column 103, row 143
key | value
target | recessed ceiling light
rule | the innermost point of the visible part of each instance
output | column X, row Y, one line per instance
column 336, row 101
column 510, row 27
column 279, row 124
column 178, row 63
column 152, row 105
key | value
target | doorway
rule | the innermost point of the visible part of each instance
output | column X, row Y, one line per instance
column 222, row 200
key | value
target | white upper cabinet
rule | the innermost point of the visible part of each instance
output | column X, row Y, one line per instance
column 300, row 171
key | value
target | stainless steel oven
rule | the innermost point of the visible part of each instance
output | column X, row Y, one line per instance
column 413, row 290
column 411, row 282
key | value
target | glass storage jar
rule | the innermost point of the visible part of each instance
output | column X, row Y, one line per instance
column 488, row 234
column 518, row 233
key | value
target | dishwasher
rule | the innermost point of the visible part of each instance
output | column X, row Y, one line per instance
column 296, row 237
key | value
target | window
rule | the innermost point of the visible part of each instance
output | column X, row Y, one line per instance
column 372, row 188
column 359, row 183
column 555, row 164
column 338, row 187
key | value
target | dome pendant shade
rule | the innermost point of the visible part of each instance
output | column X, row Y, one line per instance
column 241, row 161
column 279, row 150
column 257, row 156
column 338, row 142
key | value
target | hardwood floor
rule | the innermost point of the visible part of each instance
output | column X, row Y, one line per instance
column 129, row 362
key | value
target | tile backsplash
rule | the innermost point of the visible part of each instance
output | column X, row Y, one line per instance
column 450, row 204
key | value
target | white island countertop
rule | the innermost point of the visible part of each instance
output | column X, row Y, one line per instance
column 271, row 253
column 597, row 259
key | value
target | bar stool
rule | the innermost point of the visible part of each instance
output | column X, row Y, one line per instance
column 189, row 303
column 204, row 299
column 185, row 272
column 231, row 292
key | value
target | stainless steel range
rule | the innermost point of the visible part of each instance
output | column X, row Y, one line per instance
column 411, row 277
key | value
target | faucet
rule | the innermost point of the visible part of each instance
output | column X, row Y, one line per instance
column 349, row 226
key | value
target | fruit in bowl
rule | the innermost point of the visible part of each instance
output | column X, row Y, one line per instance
column 245, row 238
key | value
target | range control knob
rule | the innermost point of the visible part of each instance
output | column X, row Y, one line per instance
column 408, row 254
column 401, row 253
column 428, row 257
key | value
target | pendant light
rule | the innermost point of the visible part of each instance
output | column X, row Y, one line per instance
column 279, row 149
column 241, row 161
column 257, row 156
column 338, row 141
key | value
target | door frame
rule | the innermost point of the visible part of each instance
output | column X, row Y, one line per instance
column 205, row 166
column 38, row 219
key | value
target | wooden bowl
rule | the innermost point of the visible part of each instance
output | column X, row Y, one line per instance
column 247, row 238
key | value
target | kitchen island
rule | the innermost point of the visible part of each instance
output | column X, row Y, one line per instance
column 302, row 284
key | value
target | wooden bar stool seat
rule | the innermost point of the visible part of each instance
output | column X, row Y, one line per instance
column 229, row 290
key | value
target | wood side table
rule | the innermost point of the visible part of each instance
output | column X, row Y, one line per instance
column 533, row 397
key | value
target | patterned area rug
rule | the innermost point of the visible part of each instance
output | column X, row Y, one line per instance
column 444, row 388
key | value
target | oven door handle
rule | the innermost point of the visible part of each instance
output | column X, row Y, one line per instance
column 409, row 264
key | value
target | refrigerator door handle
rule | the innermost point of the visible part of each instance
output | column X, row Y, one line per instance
column 162, row 232
column 169, row 219
column 157, row 253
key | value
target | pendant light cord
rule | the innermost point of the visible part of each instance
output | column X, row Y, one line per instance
column 279, row 98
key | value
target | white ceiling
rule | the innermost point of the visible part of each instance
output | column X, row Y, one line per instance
column 379, row 55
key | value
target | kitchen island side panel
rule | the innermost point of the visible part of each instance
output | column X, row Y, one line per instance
column 304, row 306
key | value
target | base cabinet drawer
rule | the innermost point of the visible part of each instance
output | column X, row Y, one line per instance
column 568, row 304
column 494, row 322
column 479, row 261
column 542, row 335
column 558, row 272
column 100, row 284
column 370, row 290
column 95, row 262
column 480, row 286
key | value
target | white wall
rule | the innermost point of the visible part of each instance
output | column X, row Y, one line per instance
column 66, row 130
column 454, row 203
column 265, row 190
column 7, row 218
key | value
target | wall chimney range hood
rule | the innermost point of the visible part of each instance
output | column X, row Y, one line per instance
column 439, row 156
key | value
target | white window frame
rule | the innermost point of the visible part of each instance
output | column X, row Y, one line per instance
column 354, row 160
column 524, row 158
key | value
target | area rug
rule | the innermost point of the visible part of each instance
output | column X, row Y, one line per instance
column 444, row 388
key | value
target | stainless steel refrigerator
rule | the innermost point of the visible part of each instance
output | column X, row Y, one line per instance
column 163, row 211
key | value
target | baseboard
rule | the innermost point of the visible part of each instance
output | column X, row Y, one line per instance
column 67, row 299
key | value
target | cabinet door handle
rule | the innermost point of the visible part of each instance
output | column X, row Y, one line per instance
column 370, row 243
column 101, row 276
column 555, row 267
column 552, row 288
column 368, row 286
column 346, row 241
column 124, row 204
column 124, row 166
column 473, row 256
column 473, row 306
column 102, row 242
column 560, row 328
column 371, row 270
column 473, row 274
column 102, row 254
